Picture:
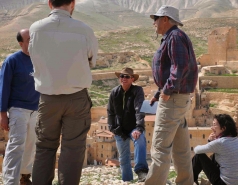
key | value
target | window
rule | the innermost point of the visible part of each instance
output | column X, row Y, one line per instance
column 148, row 141
column 101, row 155
column 102, row 146
column 149, row 134
column 191, row 148
column 101, row 127
column 105, row 127
column 191, row 136
column 203, row 136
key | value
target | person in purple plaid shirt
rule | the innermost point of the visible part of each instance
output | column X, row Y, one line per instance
column 175, row 73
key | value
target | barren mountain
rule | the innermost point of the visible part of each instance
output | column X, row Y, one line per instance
column 121, row 25
column 188, row 8
column 15, row 4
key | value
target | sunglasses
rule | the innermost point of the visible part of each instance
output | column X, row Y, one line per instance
column 157, row 17
column 125, row 76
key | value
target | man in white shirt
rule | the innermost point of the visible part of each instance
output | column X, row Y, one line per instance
column 62, row 50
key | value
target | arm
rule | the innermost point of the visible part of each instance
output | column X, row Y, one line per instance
column 179, row 56
column 4, row 121
column 92, row 48
column 111, row 113
column 5, row 90
column 156, row 97
column 211, row 147
column 139, row 98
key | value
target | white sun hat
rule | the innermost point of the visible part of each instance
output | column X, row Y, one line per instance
column 169, row 11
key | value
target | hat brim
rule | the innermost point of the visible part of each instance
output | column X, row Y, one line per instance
column 136, row 76
column 178, row 21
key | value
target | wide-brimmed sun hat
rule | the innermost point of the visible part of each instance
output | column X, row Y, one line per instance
column 169, row 11
column 127, row 71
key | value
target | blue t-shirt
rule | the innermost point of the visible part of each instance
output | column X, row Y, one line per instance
column 17, row 87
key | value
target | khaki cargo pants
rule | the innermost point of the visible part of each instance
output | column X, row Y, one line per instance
column 69, row 115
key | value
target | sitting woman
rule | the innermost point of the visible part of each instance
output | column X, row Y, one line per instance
column 224, row 145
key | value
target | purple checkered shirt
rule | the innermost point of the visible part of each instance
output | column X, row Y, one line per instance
column 174, row 64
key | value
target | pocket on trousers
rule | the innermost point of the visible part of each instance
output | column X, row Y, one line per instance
column 14, row 114
column 84, row 129
column 38, row 128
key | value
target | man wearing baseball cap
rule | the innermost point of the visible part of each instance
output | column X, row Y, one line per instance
column 127, row 123
column 175, row 73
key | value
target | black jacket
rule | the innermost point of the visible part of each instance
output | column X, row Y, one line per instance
column 130, row 117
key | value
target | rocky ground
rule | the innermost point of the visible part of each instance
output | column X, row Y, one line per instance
column 103, row 175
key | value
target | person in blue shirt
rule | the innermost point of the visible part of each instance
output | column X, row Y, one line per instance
column 18, row 112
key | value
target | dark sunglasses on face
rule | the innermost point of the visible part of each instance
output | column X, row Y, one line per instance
column 125, row 76
column 157, row 17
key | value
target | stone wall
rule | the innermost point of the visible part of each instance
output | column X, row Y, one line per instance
column 103, row 75
column 98, row 112
column 205, row 60
column 232, row 55
column 219, row 96
column 224, row 82
column 222, row 48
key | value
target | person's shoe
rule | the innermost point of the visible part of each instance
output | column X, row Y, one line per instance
column 141, row 175
column 25, row 179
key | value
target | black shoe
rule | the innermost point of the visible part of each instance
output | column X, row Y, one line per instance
column 141, row 175
column 25, row 179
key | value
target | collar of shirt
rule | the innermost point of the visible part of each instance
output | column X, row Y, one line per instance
column 61, row 12
column 168, row 32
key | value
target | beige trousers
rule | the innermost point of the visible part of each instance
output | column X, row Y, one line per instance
column 20, row 150
column 170, row 138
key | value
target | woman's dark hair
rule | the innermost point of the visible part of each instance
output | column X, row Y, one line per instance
column 19, row 37
column 227, row 123
column 58, row 3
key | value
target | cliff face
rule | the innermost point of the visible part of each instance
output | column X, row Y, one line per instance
column 188, row 8
column 148, row 6
column 15, row 4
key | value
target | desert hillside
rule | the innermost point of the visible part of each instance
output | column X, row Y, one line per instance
column 188, row 8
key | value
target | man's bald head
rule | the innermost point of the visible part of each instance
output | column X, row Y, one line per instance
column 23, row 37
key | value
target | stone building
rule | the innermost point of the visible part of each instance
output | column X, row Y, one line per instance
column 222, row 48
column 101, row 144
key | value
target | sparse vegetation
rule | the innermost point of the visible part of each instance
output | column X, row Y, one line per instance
column 212, row 74
column 172, row 174
column 234, row 71
column 212, row 105
column 223, row 90
column 100, row 90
